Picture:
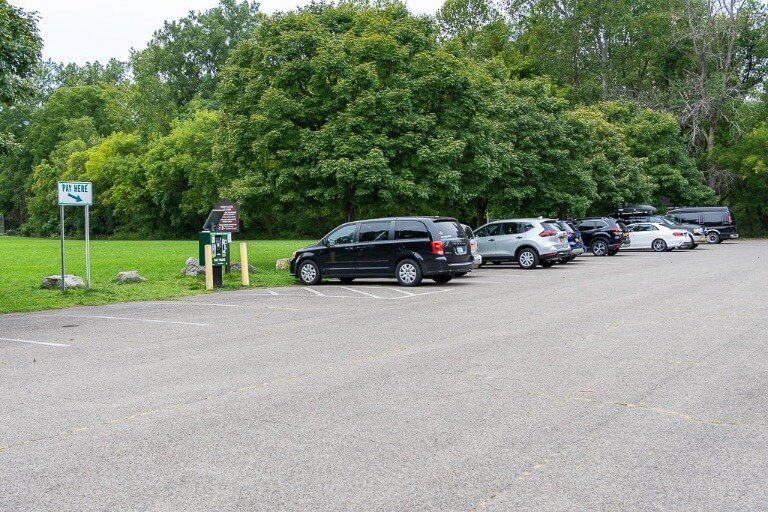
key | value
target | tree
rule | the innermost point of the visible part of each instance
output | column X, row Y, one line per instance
column 333, row 107
column 180, row 176
column 20, row 47
column 183, row 59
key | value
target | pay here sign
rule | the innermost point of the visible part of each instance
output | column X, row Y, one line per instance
column 75, row 193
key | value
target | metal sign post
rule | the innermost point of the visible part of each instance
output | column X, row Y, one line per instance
column 76, row 193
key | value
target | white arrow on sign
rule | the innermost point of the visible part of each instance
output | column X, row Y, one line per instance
column 75, row 193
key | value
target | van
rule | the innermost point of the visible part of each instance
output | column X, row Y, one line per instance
column 718, row 221
column 406, row 248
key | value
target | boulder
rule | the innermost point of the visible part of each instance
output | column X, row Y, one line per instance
column 235, row 267
column 192, row 268
column 70, row 281
column 129, row 276
column 283, row 264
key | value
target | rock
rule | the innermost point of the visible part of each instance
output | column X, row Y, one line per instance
column 129, row 276
column 283, row 264
column 235, row 267
column 192, row 268
column 70, row 281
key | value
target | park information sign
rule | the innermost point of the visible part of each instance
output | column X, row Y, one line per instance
column 75, row 193
column 230, row 220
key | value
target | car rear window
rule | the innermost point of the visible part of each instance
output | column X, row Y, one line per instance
column 713, row 217
column 553, row 226
column 449, row 229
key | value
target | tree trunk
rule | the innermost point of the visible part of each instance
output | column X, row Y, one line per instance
column 711, row 171
column 350, row 211
column 481, row 211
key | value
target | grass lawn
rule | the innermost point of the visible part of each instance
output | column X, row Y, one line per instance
column 25, row 261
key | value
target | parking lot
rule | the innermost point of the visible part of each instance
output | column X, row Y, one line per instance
column 633, row 382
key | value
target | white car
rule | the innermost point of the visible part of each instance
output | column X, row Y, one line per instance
column 655, row 236
column 473, row 245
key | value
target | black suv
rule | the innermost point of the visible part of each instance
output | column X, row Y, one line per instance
column 717, row 220
column 407, row 248
column 602, row 235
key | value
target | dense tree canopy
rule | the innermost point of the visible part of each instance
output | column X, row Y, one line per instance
column 332, row 112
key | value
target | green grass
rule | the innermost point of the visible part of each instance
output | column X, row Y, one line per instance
column 25, row 261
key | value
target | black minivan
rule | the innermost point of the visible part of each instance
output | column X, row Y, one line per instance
column 718, row 221
column 406, row 248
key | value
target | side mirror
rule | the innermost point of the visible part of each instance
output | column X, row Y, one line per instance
column 324, row 241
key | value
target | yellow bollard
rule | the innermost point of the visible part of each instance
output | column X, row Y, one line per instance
column 244, row 264
column 208, row 267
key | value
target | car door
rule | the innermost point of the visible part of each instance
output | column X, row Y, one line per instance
column 486, row 239
column 374, row 248
column 508, row 240
column 340, row 259
column 642, row 238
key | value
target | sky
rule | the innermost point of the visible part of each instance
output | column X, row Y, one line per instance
column 87, row 30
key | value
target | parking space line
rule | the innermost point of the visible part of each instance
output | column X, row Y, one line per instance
column 126, row 318
column 46, row 343
column 361, row 292
column 404, row 292
column 272, row 292
column 314, row 291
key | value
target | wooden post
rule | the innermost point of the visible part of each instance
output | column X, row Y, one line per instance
column 244, row 264
column 208, row 267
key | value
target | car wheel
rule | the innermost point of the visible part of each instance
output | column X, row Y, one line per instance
column 527, row 259
column 442, row 279
column 309, row 273
column 547, row 264
column 713, row 238
column 599, row 248
column 408, row 273
column 659, row 245
column 461, row 274
column 346, row 280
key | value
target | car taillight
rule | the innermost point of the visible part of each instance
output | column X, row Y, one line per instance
column 548, row 232
column 678, row 233
column 437, row 247
column 616, row 229
column 730, row 219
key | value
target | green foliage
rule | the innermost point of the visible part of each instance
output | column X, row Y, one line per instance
column 183, row 59
column 19, row 51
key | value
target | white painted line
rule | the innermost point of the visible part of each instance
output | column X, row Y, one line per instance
column 272, row 293
column 126, row 318
column 428, row 293
column 403, row 292
column 361, row 292
column 314, row 291
column 47, row 344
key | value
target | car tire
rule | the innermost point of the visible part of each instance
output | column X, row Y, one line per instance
column 408, row 273
column 309, row 273
column 461, row 274
column 547, row 264
column 346, row 280
column 599, row 248
column 658, row 245
column 612, row 253
column 527, row 259
column 442, row 279
column 713, row 237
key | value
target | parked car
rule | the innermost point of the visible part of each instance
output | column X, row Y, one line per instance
column 529, row 242
column 718, row 221
column 574, row 240
column 406, row 248
column 473, row 245
column 602, row 235
column 655, row 236
column 633, row 214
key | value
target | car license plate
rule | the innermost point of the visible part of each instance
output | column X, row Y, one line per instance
column 461, row 250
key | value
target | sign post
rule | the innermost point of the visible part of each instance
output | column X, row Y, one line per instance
column 76, row 193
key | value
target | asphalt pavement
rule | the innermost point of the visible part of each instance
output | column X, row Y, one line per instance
column 633, row 382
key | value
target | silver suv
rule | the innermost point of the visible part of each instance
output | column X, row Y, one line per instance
column 529, row 242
